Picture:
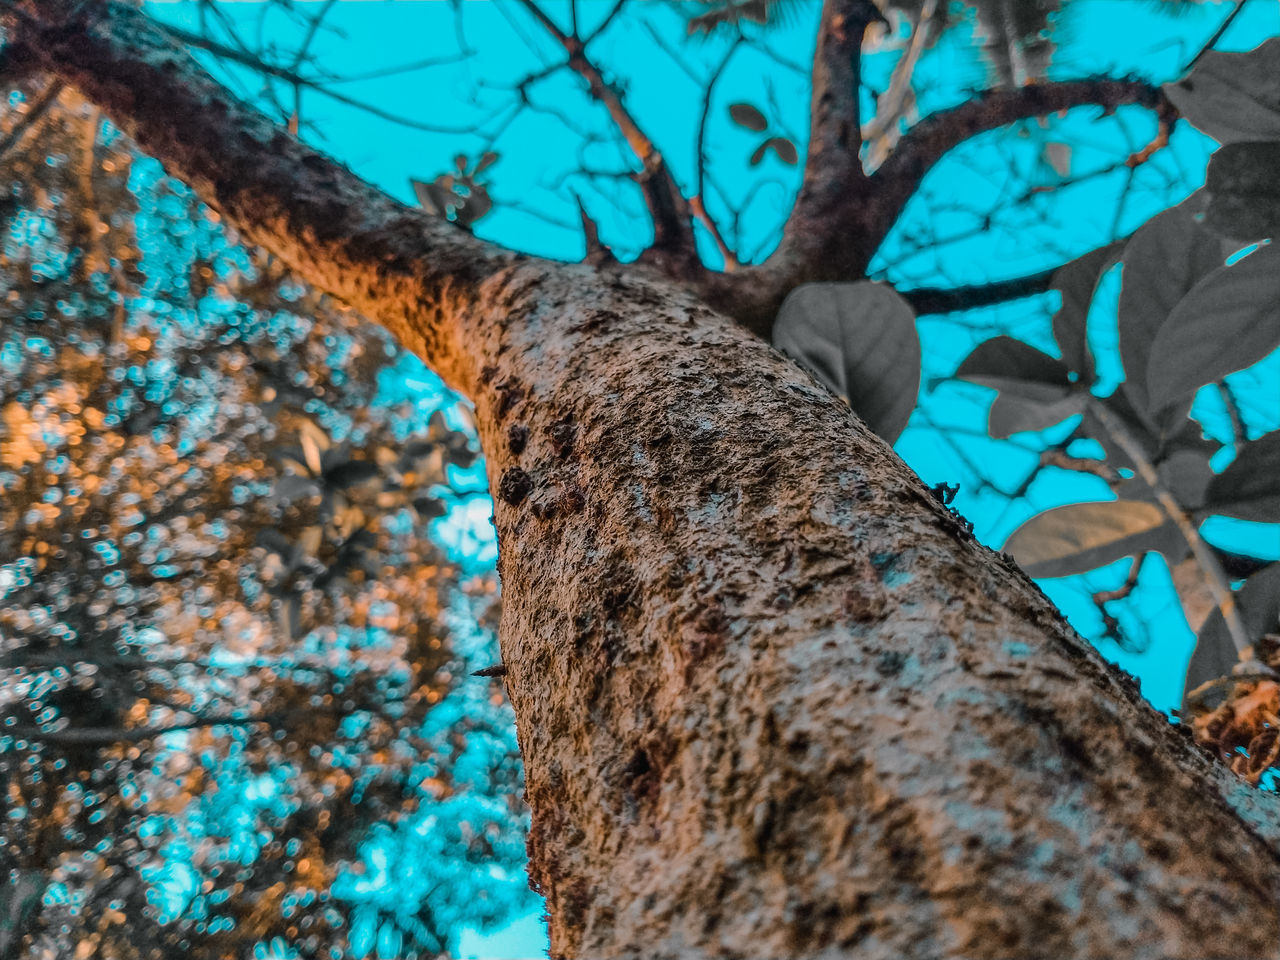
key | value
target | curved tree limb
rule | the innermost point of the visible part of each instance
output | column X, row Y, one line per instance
column 921, row 147
column 408, row 270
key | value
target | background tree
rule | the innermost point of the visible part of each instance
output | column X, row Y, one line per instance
column 707, row 618
column 234, row 659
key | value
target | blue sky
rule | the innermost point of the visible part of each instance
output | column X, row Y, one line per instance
column 544, row 151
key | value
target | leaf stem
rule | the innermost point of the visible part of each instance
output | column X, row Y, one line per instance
column 1208, row 563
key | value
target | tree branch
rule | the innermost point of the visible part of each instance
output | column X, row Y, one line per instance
column 921, row 147
column 105, row 736
column 409, row 271
column 953, row 299
column 672, row 217
column 821, row 238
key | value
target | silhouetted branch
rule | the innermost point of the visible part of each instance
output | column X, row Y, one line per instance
column 672, row 224
column 950, row 300
column 291, row 76
column 921, row 147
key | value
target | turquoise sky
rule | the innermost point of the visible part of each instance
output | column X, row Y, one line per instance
column 545, row 148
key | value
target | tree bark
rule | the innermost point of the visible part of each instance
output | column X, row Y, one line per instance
column 773, row 699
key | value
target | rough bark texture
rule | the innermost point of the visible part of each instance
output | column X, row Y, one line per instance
column 773, row 699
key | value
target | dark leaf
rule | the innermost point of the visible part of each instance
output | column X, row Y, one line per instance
column 1167, row 256
column 1233, row 96
column 351, row 473
column 1250, row 486
column 1244, row 190
column 1022, row 405
column 1083, row 536
column 293, row 487
column 477, row 205
column 1230, row 320
column 1258, row 601
column 1119, row 405
column 758, row 154
column 745, row 115
column 860, row 340
column 428, row 508
column 1186, row 474
column 1006, row 358
column 435, row 199
column 487, row 159
column 785, row 149
column 1076, row 281
column 461, row 454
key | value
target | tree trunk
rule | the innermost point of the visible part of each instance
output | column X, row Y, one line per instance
column 773, row 699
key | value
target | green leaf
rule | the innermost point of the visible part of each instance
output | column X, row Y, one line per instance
column 785, row 149
column 1083, row 536
column 1167, row 256
column 860, row 340
column 1258, row 601
column 1233, row 96
column 1250, row 486
column 1228, row 321
column 745, row 115
column 1076, row 282
column 1244, row 190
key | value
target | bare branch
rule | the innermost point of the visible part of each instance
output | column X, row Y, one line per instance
column 672, row 223
column 697, row 203
column 105, row 736
column 403, row 268
column 899, row 177
column 299, row 81
column 953, row 299
column 597, row 252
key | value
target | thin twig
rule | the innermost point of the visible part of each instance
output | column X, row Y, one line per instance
column 672, row 227
column 1217, row 35
column 105, row 736
column 1215, row 579
column 696, row 203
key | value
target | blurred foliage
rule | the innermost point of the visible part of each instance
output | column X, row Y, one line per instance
column 235, row 710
